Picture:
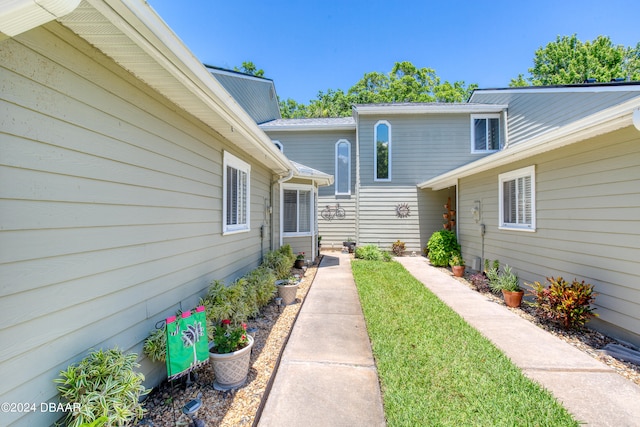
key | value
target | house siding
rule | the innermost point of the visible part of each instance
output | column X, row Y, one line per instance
column 422, row 146
column 111, row 206
column 317, row 150
column 587, row 207
column 531, row 113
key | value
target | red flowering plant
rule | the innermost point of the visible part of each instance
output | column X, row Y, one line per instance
column 300, row 256
column 228, row 338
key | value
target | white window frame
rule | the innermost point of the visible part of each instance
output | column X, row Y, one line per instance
column 375, row 151
column 337, row 177
column 231, row 161
column 475, row 117
column 279, row 145
column 312, row 204
column 529, row 171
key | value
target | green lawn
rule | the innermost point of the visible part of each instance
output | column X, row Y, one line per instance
column 435, row 369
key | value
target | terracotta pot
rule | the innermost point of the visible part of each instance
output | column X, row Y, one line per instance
column 458, row 270
column 512, row 299
column 231, row 369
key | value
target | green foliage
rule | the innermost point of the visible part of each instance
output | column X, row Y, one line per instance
column 564, row 303
column 404, row 83
column 398, row 247
column 371, row 253
column 99, row 422
column 237, row 302
column 250, row 68
column 456, row 260
column 507, row 280
column 441, row 245
column 103, row 384
column 228, row 338
column 567, row 60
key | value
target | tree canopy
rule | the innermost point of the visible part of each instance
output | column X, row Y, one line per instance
column 404, row 83
column 567, row 60
column 250, row 68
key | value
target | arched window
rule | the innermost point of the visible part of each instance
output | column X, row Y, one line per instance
column 279, row 145
column 382, row 151
column 343, row 167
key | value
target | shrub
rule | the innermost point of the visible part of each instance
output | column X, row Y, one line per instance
column 564, row 303
column 280, row 261
column 369, row 253
column 441, row 245
column 103, row 384
column 398, row 247
column 480, row 282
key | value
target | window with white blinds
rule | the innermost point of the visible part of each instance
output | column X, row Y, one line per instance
column 485, row 133
column 517, row 199
column 296, row 210
column 235, row 194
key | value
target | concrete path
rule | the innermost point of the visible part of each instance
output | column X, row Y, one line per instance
column 594, row 393
column 327, row 375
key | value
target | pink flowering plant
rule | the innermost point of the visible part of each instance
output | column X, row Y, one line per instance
column 228, row 338
column 300, row 256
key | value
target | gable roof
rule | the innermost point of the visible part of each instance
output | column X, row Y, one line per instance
column 605, row 121
column 257, row 95
column 428, row 108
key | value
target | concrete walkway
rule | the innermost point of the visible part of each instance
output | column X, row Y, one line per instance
column 327, row 375
column 593, row 392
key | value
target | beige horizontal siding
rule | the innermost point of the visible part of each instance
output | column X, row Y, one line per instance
column 111, row 205
column 587, row 208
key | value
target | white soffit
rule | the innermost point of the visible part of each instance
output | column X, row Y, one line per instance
column 19, row 16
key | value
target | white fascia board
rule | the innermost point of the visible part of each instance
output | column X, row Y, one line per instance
column 142, row 25
column 589, row 88
column 307, row 128
column 436, row 108
column 600, row 123
column 19, row 16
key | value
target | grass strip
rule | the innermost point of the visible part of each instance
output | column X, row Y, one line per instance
column 435, row 369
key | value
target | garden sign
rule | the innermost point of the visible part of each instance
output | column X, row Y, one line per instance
column 187, row 344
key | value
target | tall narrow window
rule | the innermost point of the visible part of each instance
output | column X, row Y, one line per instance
column 235, row 194
column 296, row 210
column 517, row 199
column 382, row 151
column 343, row 167
column 485, row 132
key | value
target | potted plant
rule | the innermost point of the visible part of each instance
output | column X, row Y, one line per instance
column 230, row 354
column 350, row 244
column 457, row 265
column 299, row 262
column 398, row 247
column 508, row 283
column 287, row 290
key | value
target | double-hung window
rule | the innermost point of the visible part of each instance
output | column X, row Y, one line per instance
column 485, row 133
column 297, row 204
column 235, row 194
column 517, row 191
column 382, row 151
column 343, row 167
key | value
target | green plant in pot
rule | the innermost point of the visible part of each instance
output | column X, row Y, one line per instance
column 508, row 283
column 350, row 244
column 457, row 264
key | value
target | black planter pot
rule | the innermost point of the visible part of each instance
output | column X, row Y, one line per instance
column 299, row 263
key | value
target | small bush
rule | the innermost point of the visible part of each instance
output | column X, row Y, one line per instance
column 480, row 282
column 369, row 253
column 398, row 247
column 564, row 303
column 103, row 384
column 441, row 245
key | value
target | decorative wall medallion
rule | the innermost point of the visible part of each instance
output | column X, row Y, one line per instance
column 403, row 210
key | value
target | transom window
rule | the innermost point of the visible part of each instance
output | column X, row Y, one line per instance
column 343, row 167
column 235, row 185
column 517, row 199
column 485, row 132
column 296, row 210
column 382, row 151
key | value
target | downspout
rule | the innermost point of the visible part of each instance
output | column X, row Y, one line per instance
column 273, row 185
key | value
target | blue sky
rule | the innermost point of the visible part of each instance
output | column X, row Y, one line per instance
column 313, row 45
